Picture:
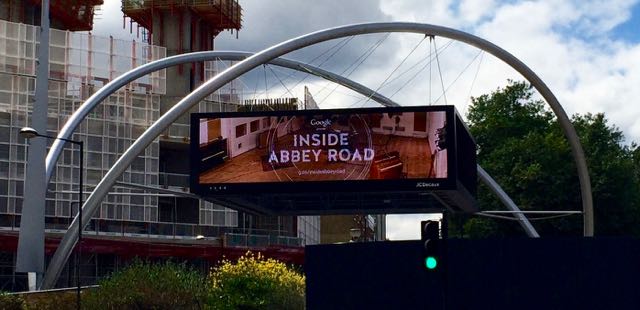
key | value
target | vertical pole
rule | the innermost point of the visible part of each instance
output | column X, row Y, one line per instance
column 444, row 232
column 80, row 227
column 30, row 256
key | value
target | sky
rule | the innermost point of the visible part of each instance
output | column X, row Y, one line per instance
column 586, row 51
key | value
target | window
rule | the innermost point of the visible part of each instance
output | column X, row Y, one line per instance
column 241, row 130
column 137, row 213
column 4, row 151
column 255, row 125
column 266, row 122
column 95, row 127
column 94, row 160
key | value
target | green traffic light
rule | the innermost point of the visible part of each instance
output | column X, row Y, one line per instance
column 431, row 262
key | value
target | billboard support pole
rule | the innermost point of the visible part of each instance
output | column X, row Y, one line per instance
column 278, row 50
column 31, row 246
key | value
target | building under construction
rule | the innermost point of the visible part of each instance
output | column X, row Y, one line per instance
column 132, row 221
column 72, row 15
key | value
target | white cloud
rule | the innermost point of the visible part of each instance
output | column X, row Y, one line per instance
column 472, row 11
column 590, row 73
column 602, row 16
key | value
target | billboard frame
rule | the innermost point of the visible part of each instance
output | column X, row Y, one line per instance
column 414, row 184
column 292, row 197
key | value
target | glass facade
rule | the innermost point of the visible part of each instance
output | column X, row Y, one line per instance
column 309, row 229
column 79, row 65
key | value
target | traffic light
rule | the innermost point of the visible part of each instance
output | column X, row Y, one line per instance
column 430, row 236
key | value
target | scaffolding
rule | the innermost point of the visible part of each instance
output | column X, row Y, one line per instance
column 218, row 15
column 86, row 62
column 80, row 64
column 74, row 15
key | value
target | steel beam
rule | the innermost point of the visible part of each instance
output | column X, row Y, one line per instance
column 30, row 256
column 506, row 200
column 76, row 118
column 278, row 50
column 79, row 115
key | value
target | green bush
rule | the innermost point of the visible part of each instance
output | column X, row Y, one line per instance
column 256, row 283
column 52, row 301
column 11, row 302
column 149, row 286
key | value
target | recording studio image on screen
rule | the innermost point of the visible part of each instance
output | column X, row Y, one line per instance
column 322, row 147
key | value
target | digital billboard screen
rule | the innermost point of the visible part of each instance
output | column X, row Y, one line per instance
column 357, row 150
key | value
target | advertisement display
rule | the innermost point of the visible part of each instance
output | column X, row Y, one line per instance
column 370, row 160
column 321, row 150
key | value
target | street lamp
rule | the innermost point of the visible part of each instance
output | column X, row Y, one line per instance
column 29, row 133
column 355, row 234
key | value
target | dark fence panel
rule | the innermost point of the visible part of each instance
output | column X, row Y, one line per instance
column 569, row 273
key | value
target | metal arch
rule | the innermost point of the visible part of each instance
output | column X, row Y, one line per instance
column 76, row 118
column 79, row 115
column 285, row 47
column 506, row 200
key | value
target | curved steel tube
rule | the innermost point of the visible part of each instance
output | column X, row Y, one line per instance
column 78, row 116
column 268, row 54
column 507, row 201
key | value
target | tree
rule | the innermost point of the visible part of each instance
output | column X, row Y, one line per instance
column 522, row 146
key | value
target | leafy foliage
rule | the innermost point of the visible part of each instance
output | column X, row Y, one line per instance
column 52, row 301
column 522, row 146
column 149, row 286
column 256, row 283
column 11, row 302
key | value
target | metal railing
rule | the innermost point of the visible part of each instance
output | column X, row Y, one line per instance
column 173, row 179
column 255, row 240
column 233, row 236
column 121, row 228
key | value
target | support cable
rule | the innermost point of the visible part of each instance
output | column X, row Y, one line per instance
column 220, row 61
column 430, row 69
column 266, row 89
column 459, row 75
column 429, row 58
column 255, row 89
column 418, row 72
column 440, row 72
column 359, row 61
column 183, row 106
column 504, row 217
column 328, row 78
column 227, row 67
column 342, row 44
column 282, row 83
column 473, row 82
column 396, row 68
